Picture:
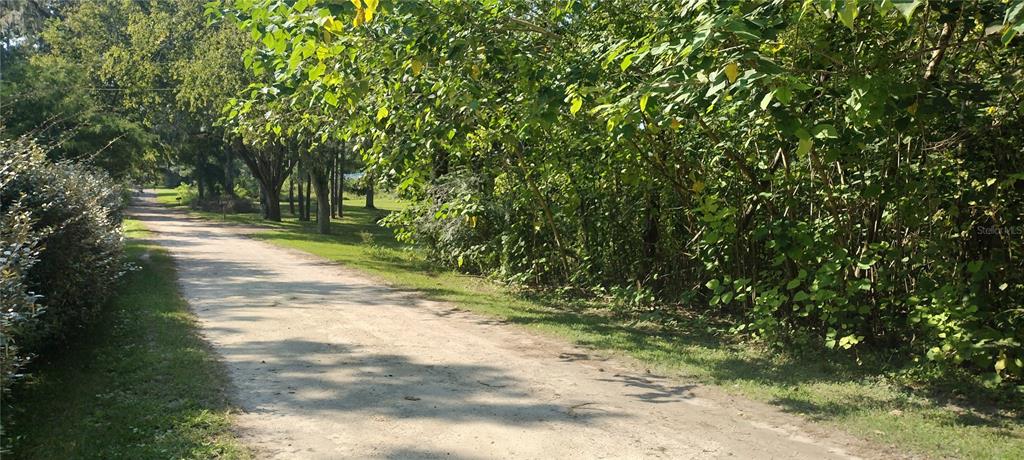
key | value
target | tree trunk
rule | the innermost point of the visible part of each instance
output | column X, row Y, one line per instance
column 263, row 200
column 265, row 205
column 270, row 203
column 302, row 200
column 270, row 166
column 341, row 184
column 229, row 172
column 291, row 196
column 333, row 189
column 323, row 202
column 274, row 204
column 270, row 200
column 309, row 197
column 369, row 193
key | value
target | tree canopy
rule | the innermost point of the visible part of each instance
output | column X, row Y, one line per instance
column 833, row 172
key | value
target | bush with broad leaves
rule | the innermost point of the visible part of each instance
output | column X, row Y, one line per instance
column 61, row 243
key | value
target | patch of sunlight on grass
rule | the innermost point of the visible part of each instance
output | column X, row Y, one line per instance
column 167, row 196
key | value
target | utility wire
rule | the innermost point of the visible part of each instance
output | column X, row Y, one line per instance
column 96, row 88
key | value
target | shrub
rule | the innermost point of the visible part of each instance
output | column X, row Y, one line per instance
column 62, row 243
column 19, row 251
column 186, row 193
column 446, row 223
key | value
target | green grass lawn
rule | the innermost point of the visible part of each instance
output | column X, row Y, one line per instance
column 138, row 384
column 167, row 196
column 859, row 399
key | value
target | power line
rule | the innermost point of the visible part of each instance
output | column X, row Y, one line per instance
column 96, row 88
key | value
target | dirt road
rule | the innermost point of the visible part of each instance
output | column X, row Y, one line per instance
column 328, row 363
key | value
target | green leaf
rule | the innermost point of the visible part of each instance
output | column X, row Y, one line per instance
column 1008, row 35
column 742, row 30
column 331, row 98
column 907, row 7
column 767, row 100
column 626, row 62
column 849, row 13
column 804, row 146
column 643, row 102
column 784, row 94
column 1001, row 363
column 577, row 103
column 316, row 72
column 382, row 113
column 1014, row 21
column 371, row 8
column 294, row 60
column 716, row 88
column 825, row 131
column 1015, row 13
column 849, row 341
column 406, row 183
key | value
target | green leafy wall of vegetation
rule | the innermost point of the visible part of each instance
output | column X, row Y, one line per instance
column 836, row 174
column 60, row 250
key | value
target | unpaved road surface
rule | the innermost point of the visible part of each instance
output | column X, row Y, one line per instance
column 328, row 363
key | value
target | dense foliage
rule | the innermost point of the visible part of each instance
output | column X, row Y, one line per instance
column 45, row 97
column 61, row 243
column 835, row 173
column 124, row 86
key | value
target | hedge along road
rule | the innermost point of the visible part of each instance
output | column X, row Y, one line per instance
column 328, row 363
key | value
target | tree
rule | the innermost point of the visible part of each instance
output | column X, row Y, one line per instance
column 270, row 164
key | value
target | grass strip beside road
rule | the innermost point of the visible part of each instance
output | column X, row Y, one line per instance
column 139, row 383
